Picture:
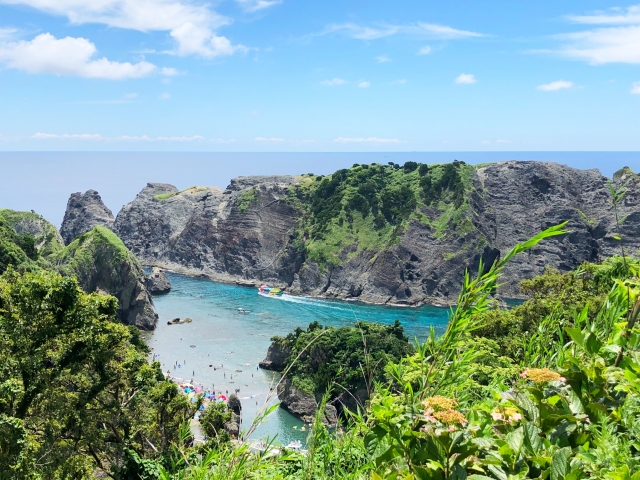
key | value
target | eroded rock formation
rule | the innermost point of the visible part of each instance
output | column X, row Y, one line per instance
column 84, row 211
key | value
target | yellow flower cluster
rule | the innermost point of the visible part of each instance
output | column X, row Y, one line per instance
column 506, row 414
column 450, row 417
column 440, row 403
column 541, row 375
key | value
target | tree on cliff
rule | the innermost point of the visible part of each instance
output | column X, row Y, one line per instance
column 76, row 391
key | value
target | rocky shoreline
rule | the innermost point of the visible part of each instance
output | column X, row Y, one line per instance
column 249, row 232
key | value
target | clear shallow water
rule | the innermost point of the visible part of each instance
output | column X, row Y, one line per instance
column 223, row 336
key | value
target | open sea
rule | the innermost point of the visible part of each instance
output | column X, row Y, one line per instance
column 220, row 335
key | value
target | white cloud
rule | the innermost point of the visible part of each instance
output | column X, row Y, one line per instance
column 635, row 89
column 429, row 30
column 553, row 86
column 130, row 96
column 465, row 79
column 254, row 113
column 272, row 139
column 502, row 141
column 7, row 33
column 366, row 140
column 613, row 17
column 122, row 138
column 68, row 56
column 400, row 81
column 616, row 40
column 426, row 50
column 66, row 136
column 364, row 84
column 255, row 5
column 164, row 96
column 335, row 81
column 383, row 59
column 603, row 45
column 486, row 142
column 191, row 24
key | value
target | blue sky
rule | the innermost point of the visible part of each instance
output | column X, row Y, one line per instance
column 269, row 75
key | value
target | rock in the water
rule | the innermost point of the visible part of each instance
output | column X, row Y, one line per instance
column 303, row 404
column 157, row 282
column 233, row 426
column 102, row 263
column 233, row 403
column 84, row 211
column 277, row 356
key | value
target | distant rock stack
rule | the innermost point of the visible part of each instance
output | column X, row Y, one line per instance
column 84, row 211
column 157, row 282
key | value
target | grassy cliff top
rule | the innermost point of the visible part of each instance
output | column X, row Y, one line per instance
column 368, row 207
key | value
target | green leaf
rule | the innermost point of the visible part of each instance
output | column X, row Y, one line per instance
column 616, row 237
column 559, row 464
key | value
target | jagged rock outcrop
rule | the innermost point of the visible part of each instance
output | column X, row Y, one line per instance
column 243, row 232
column 157, row 282
column 102, row 263
column 303, row 404
column 248, row 232
column 84, row 211
column 277, row 356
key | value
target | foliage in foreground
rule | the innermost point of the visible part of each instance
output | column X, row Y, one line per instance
column 566, row 404
column 76, row 391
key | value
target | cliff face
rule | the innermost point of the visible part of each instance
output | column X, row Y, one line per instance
column 242, row 232
column 84, row 211
column 266, row 228
column 101, row 262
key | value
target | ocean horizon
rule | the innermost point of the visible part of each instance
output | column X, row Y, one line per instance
column 119, row 176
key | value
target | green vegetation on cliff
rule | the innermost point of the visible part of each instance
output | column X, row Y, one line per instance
column 76, row 391
column 368, row 207
column 339, row 355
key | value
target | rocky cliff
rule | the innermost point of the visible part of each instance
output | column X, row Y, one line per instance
column 242, row 232
column 84, row 211
column 384, row 234
column 102, row 263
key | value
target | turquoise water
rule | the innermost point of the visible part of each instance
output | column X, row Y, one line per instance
column 223, row 336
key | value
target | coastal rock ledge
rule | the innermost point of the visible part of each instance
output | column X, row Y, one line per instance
column 157, row 282
column 303, row 404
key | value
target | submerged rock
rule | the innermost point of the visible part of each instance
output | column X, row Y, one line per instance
column 84, row 211
column 157, row 282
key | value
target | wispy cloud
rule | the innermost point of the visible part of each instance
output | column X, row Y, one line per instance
column 366, row 140
column 364, row 84
column 399, row 81
column 616, row 40
column 69, row 56
column 164, row 96
column 614, row 16
column 553, row 86
column 272, row 139
column 122, row 138
column 422, row 29
column 130, row 96
column 426, row 50
column 333, row 82
column 635, row 89
column 465, row 79
column 255, row 5
column 382, row 59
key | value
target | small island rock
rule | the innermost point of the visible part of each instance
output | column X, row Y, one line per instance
column 157, row 282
